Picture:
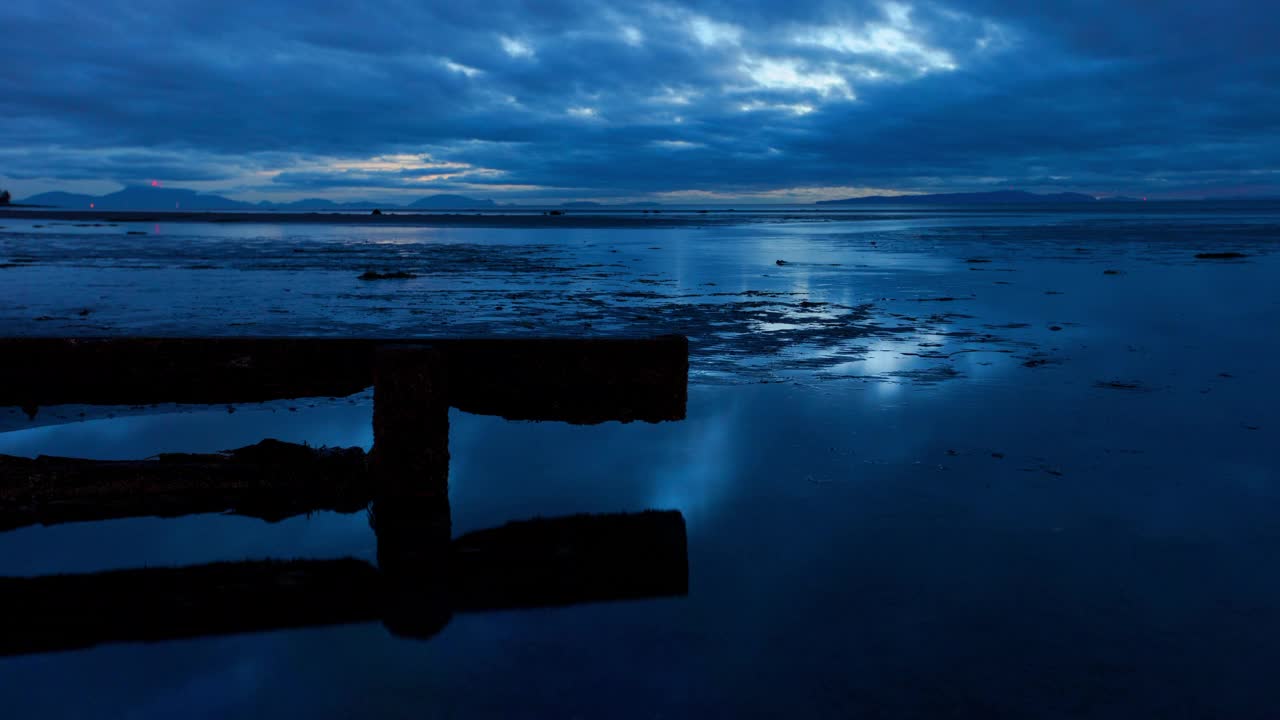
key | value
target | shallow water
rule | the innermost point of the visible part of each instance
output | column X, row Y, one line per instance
column 934, row 505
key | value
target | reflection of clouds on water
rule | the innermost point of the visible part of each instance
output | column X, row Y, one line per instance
column 702, row 469
column 316, row 422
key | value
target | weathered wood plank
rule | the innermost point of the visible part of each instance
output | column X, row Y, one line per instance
column 67, row 612
column 271, row 480
column 533, row 563
column 575, row 559
column 573, row 380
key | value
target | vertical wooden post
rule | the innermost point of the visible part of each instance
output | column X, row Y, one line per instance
column 411, row 422
column 410, row 466
column 414, row 560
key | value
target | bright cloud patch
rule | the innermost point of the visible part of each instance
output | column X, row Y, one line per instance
column 515, row 47
column 676, row 144
column 710, row 32
column 793, row 108
column 895, row 42
column 391, row 172
column 794, row 75
column 387, row 163
column 632, row 36
column 462, row 69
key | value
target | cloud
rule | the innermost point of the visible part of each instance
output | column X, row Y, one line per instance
column 632, row 35
column 677, row 144
column 792, row 74
column 573, row 98
column 466, row 70
column 894, row 42
column 710, row 32
column 515, row 47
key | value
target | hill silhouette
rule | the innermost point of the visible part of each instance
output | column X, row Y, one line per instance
column 450, row 202
column 146, row 197
column 997, row 197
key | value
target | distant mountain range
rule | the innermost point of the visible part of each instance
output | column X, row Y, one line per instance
column 448, row 202
column 150, row 198
column 139, row 198
column 997, row 197
column 144, row 197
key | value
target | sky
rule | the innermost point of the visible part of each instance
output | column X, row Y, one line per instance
column 557, row 100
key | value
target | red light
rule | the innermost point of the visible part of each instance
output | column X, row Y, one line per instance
column 90, row 206
column 155, row 183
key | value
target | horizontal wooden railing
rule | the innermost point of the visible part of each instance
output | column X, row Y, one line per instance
column 571, row 380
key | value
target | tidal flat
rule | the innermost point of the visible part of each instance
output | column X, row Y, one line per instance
column 999, row 463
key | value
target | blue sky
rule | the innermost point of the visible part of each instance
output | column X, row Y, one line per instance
column 696, row 101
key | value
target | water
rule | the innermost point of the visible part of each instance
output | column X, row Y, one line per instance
column 915, row 484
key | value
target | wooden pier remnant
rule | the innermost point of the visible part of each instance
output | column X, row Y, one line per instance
column 423, row 575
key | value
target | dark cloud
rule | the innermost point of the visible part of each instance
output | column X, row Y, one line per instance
column 586, row 99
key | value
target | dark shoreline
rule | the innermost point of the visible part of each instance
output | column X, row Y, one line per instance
column 390, row 218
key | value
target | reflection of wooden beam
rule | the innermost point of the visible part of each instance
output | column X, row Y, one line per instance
column 533, row 563
column 571, row 560
column 576, row 380
column 272, row 480
column 65, row 612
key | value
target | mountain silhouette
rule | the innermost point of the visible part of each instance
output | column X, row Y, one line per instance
column 140, row 197
column 997, row 197
column 61, row 200
column 146, row 197
column 450, row 202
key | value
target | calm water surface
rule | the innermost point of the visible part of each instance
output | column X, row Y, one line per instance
column 941, row 467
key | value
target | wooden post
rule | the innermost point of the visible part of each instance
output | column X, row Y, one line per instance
column 410, row 422
column 411, row 476
column 414, row 557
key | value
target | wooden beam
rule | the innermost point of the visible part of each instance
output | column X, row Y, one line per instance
column 534, row 563
column 271, row 480
column 577, row 381
column 575, row 559
column 573, row 380
column 67, row 612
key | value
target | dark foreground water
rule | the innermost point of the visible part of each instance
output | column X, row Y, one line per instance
column 937, row 467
